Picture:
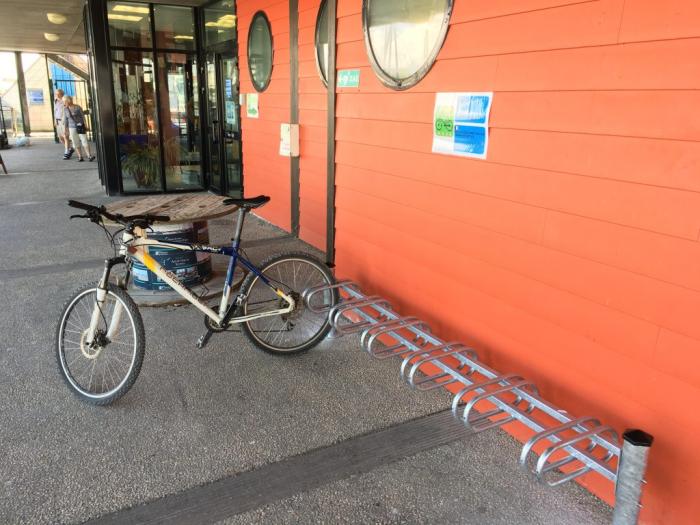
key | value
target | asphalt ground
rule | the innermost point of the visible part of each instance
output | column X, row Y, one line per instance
column 196, row 416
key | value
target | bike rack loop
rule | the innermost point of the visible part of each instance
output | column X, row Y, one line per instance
column 416, row 351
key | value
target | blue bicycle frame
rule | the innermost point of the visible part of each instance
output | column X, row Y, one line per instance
column 136, row 249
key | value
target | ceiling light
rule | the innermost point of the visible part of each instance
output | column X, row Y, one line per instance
column 127, row 18
column 56, row 18
column 130, row 9
column 183, row 37
column 226, row 21
column 51, row 37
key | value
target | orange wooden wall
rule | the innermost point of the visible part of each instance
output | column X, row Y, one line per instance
column 571, row 255
column 313, row 101
column 264, row 170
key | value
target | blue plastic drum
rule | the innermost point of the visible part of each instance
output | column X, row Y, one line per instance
column 190, row 267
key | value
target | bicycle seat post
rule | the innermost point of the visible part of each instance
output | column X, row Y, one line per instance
column 239, row 226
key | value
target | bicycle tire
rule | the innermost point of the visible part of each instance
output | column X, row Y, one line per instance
column 253, row 287
column 137, row 334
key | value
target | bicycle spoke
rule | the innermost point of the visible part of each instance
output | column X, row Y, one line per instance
column 109, row 370
column 113, row 342
column 91, row 373
column 120, row 361
column 107, row 367
column 79, row 327
column 293, row 329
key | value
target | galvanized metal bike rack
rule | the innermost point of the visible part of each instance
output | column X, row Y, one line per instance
column 562, row 448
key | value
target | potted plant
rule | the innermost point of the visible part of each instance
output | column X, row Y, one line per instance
column 141, row 162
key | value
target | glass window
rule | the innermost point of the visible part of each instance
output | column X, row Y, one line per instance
column 220, row 22
column 174, row 27
column 322, row 41
column 179, row 114
column 403, row 37
column 260, row 51
column 129, row 24
column 137, row 120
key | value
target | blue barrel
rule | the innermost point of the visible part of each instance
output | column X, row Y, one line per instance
column 190, row 267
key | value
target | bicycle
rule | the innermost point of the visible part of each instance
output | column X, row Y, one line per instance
column 100, row 338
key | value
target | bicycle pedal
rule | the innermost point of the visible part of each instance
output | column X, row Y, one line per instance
column 204, row 339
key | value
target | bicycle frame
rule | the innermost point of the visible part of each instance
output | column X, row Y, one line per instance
column 136, row 247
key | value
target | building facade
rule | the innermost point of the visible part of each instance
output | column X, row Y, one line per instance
column 568, row 252
column 41, row 79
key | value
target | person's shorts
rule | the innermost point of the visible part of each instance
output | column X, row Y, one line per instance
column 59, row 128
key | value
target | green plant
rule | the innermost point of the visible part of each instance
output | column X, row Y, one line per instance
column 142, row 162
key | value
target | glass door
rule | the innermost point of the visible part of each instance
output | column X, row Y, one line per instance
column 224, row 132
column 214, row 124
column 231, row 125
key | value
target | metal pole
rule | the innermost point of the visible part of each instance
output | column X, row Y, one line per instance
column 3, row 130
column 294, row 108
column 51, row 98
column 330, row 147
column 21, row 87
column 630, row 476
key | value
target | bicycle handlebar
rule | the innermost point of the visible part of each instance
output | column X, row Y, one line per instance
column 95, row 211
column 81, row 205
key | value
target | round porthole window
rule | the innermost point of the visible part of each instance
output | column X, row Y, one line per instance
column 322, row 42
column 260, row 51
column 404, row 37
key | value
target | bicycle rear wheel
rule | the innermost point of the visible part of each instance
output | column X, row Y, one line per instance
column 300, row 329
column 101, row 372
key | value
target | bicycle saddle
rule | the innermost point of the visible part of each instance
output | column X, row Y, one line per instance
column 253, row 202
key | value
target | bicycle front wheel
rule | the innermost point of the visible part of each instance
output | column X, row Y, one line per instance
column 103, row 370
column 300, row 329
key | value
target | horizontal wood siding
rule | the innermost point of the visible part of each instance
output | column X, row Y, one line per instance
column 313, row 102
column 265, row 171
column 572, row 254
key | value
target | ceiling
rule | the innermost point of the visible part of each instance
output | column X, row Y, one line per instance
column 23, row 24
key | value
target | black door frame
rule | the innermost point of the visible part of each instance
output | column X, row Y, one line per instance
column 223, row 49
column 217, row 54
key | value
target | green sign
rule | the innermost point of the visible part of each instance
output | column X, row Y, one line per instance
column 348, row 78
column 251, row 105
column 444, row 120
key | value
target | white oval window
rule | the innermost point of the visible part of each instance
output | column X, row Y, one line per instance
column 404, row 37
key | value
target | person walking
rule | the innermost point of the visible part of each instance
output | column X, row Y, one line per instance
column 58, row 108
column 74, row 122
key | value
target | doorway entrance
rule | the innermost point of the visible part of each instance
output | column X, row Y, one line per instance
column 223, row 112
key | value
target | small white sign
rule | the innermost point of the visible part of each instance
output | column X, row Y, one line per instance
column 289, row 140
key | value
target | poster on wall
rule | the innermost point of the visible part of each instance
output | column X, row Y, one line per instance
column 251, row 105
column 231, row 116
column 35, row 97
column 461, row 124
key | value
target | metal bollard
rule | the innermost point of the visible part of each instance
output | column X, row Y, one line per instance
column 630, row 476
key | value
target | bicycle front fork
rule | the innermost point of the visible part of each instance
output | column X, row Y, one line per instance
column 101, row 296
